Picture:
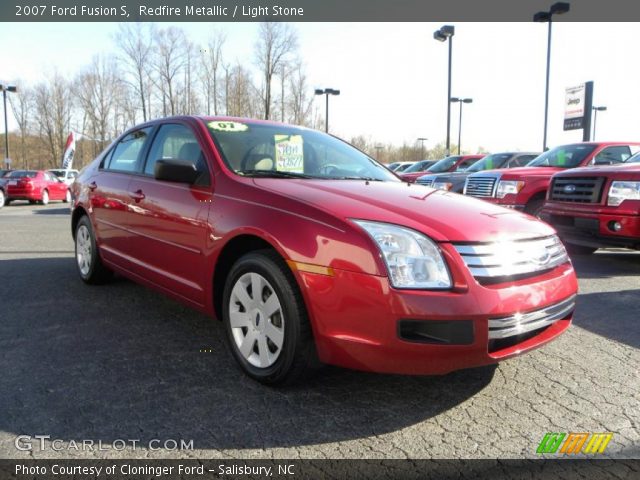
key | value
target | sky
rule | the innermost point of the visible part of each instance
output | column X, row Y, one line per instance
column 393, row 76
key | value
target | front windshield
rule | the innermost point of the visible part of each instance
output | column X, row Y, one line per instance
column 443, row 165
column 267, row 150
column 566, row 156
column 418, row 167
column 489, row 162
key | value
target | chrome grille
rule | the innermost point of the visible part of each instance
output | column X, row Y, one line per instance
column 510, row 258
column 479, row 186
column 428, row 182
column 577, row 189
column 520, row 323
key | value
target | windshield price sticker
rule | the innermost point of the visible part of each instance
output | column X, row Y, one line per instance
column 289, row 153
column 228, row 126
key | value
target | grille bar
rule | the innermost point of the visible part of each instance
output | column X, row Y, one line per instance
column 520, row 323
column 479, row 186
column 577, row 189
column 505, row 259
column 427, row 182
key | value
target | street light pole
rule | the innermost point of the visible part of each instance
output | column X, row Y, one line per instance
column 422, row 140
column 558, row 9
column 447, row 32
column 460, row 101
column 5, row 89
column 595, row 118
column 326, row 92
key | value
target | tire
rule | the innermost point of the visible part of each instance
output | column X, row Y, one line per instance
column 32, row 202
column 2, row 198
column 270, row 339
column 534, row 208
column 579, row 249
column 45, row 197
column 90, row 266
column 67, row 197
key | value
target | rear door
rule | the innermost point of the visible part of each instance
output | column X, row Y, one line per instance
column 170, row 219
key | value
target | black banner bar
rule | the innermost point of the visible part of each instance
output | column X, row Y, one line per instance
column 309, row 10
column 318, row 469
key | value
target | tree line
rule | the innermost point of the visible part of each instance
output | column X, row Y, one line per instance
column 157, row 72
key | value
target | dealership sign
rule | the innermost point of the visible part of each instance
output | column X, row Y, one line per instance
column 577, row 108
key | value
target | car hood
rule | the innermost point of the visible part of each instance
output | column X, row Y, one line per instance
column 520, row 172
column 441, row 215
column 605, row 169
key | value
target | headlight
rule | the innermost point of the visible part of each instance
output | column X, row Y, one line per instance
column 621, row 191
column 413, row 260
column 442, row 186
column 505, row 187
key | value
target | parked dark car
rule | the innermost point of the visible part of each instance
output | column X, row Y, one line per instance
column 448, row 164
column 454, row 181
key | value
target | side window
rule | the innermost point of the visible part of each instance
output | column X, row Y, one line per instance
column 177, row 142
column 125, row 155
column 615, row 154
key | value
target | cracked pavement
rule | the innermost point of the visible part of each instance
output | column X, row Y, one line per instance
column 123, row 362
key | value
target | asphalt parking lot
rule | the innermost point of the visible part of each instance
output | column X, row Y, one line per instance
column 122, row 362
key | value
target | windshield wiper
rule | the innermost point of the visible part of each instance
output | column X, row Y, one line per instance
column 273, row 173
column 347, row 177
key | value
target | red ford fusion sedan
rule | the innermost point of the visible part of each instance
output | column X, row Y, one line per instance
column 35, row 186
column 310, row 252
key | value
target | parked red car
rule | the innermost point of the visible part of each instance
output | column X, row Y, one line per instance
column 35, row 186
column 308, row 250
column 448, row 164
column 526, row 188
column 596, row 207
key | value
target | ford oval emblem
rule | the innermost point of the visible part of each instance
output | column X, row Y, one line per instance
column 541, row 257
column 569, row 188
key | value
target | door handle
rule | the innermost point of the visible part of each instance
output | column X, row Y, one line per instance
column 92, row 186
column 137, row 195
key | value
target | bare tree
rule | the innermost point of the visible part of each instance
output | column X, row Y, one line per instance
column 22, row 106
column 169, row 63
column 242, row 96
column 53, row 105
column 300, row 101
column 135, row 42
column 276, row 42
column 210, row 63
column 98, row 89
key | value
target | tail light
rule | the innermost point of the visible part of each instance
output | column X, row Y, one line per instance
column 26, row 183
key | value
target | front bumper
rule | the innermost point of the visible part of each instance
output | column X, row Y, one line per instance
column 506, row 202
column 356, row 319
column 593, row 227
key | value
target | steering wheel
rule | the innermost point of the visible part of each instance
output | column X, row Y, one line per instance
column 328, row 170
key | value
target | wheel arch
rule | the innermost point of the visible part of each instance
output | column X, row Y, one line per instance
column 78, row 213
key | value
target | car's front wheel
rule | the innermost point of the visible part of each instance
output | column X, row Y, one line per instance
column 2, row 198
column 266, row 320
column 67, row 197
column 45, row 198
column 88, row 261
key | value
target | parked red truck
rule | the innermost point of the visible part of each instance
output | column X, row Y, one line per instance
column 596, row 207
column 525, row 188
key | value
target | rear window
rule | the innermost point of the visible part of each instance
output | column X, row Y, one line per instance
column 22, row 174
column 418, row 167
column 634, row 159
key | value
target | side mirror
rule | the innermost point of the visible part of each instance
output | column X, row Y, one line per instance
column 180, row 171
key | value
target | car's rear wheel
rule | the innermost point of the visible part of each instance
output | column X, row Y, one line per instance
column 67, row 197
column 579, row 249
column 45, row 198
column 266, row 320
column 88, row 261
